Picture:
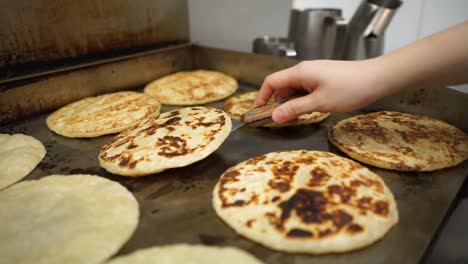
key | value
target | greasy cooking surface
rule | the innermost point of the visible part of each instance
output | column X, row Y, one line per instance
column 176, row 204
column 305, row 201
column 401, row 141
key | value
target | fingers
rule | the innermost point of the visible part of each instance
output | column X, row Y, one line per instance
column 283, row 81
column 294, row 108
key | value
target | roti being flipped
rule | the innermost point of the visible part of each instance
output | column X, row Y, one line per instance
column 175, row 139
column 306, row 202
column 104, row 114
column 236, row 105
column 184, row 253
column 192, row 87
column 400, row 141
column 65, row 219
column 19, row 155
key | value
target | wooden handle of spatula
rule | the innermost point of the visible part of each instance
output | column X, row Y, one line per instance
column 262, row 115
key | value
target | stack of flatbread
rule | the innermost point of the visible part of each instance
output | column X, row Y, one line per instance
column 65, row 219
column 104, row 114
column 236, row 105
column 19, row 155
column 192, row 87
column 175, row 139
column 305, row 201
column 400, row 141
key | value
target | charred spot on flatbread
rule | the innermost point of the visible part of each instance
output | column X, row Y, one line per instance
column 283, row 175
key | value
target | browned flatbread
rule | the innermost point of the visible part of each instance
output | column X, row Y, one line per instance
column 305, row 201
column 103, row 114
column 192, row 87
column 175, row 139
column 400, row 141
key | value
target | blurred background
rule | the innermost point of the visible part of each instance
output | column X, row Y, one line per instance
column 234, row 24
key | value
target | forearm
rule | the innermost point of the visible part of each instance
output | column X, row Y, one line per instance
column 438, row 60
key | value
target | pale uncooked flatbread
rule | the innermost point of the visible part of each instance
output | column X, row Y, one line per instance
column 65, row 219
column 104, row 114
column 400, row 141
column 175, row 139
column 19, row 155
column 306, row 202
column 192, row 87
column 187, row 254
column 236, row 105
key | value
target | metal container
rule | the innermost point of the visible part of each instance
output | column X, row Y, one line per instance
column 365, row 37
column 274, row 46
column 317, row 33
column 324, row 34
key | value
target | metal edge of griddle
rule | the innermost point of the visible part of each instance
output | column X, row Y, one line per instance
column 51, row 91
column 428, row 256
column 93, row 63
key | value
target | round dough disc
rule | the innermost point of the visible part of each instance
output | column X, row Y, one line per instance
column 19, row 155
column 183, row 253
column 400, row 141
column 102, row 115
column 192, row 87
column 306, row 202
column 65, row 219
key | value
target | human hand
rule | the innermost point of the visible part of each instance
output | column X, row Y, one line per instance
column 331, row 86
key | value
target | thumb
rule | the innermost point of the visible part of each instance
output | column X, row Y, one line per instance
column 294, row 108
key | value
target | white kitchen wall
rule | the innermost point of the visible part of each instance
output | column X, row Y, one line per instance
column 234, row 24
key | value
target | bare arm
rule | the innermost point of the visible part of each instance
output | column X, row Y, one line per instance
column 341, row 86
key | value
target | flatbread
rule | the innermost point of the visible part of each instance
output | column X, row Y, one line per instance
column 65, row 219
column 236, row 105
column 175, row 139
column 400, row 141
column 187, row 254
column 306, row 202
column 192, row 87
column 19, row 155
column 104, row 114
